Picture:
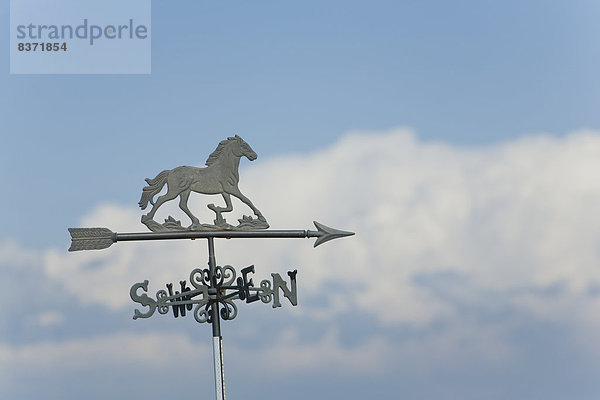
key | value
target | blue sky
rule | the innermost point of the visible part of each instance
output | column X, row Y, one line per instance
column 294, row 76
column 460, row 140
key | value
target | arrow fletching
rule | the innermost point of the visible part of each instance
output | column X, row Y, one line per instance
column 91, row 238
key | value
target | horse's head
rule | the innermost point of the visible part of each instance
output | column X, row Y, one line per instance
column 243, row 148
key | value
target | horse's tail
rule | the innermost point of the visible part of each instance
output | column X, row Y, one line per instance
column 154, row 186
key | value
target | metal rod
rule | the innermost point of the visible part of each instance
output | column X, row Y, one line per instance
column 216, row 326
column 212, row 268
column 219, row 373
column 120, row 237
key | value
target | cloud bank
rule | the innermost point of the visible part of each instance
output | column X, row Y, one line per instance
column 456, row 250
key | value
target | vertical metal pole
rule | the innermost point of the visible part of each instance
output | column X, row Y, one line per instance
column 216, row 327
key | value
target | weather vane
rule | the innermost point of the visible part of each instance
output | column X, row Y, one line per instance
column 213, row 289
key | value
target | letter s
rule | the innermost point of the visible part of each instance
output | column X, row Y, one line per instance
column 144, row 300
column 21, row 32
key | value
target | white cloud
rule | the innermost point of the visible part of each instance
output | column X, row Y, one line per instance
column 149, row 351
column 511, row 220
column 14, row 256
column 510, row 215
column 47, row 319
column 518, row 214
column 290, row 355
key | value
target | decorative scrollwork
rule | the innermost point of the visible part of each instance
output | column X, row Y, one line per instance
column 220, row 290
column 161, row 298
column 207, row 278
column 228, row 274
column 228, row 310
column 201, row 313
column 266, row 292
column 198, row 277
column 217, row 278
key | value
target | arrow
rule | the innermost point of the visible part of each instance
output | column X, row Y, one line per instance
column 101, row 238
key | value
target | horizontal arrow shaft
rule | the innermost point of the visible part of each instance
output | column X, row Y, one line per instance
column 122, row 237
column 101, row 238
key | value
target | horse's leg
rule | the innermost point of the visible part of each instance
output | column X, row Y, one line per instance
column 165, row 197
column 183, row 199
column 235, row 191
column 220, row 210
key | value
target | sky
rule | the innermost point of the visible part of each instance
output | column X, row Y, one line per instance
column 459, row 140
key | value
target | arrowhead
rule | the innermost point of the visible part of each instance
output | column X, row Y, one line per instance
column 325, row 233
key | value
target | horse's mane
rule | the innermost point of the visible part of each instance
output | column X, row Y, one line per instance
column 217, row 153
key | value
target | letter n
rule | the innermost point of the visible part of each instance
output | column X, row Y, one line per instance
column 279, row 283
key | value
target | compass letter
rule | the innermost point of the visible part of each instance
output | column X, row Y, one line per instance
column 279, row 283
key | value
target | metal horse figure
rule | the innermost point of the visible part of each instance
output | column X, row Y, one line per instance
column 220, row 176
